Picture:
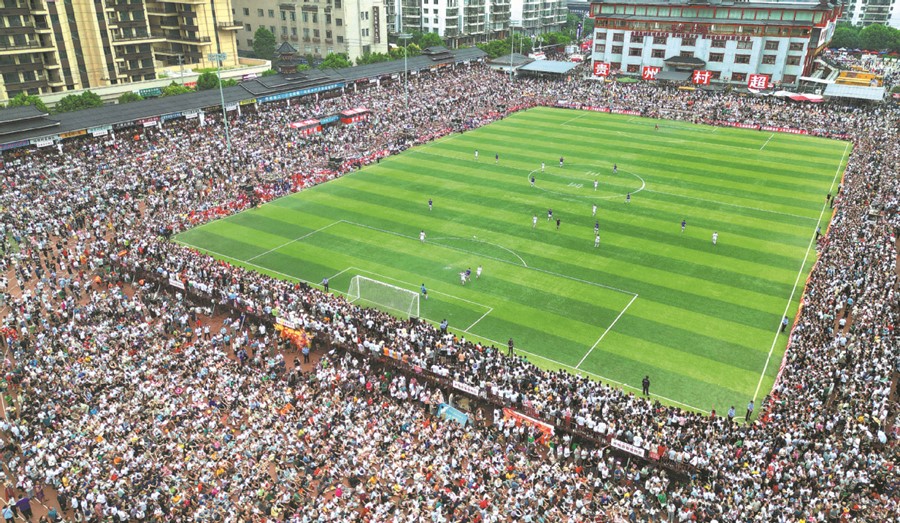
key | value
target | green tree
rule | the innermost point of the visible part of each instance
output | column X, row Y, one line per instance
column 22, row 99
column 174, row 89
column 207, row 80
column 846, row 36
column 229, row 82
column 427, row 40
column 373, row 58
column 495, row 48
column 77, row 102
column 130, row 97
column 876, row 37
column 336, row 61
column 264, row 44
column 273, row 72
column 303, row 67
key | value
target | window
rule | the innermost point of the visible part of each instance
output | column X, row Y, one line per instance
column 29, row 76
column 633, row 68
column 716, row 57
column 600, row 36
column 771, row 46
column 259, row 12
column 686, row 54
column 636, row 39
column 745, row 45
column 617, row 49
column 789, row 79
column 315, row 18
column 717, row 44
column 338, row 22
column 315, row 33
column 598, row 48
column 793, row 60
column 306, row 33
column 328, row 34
column 768, row 59
column 796, row 46
column 293, row 16
column 739, row 77
column 619, row 37
column 340, row 39
column 742, row 58
column 660, row 39
column 337, row 4
column 248, row 28
column 293, row 31
column 246, row 11
column 328, row 19
column 284, row 30
column 688, row 40
column 284, row 15
column 635, row 51
column 658, row 53
column 305, row 17
column 272, row 29
column 271, row 13
column 249, row 42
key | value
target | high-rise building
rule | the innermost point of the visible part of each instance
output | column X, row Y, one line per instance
column 867, row 12
column 467, row 22
column 317, row 27
column 757, row 42
column 49, row 46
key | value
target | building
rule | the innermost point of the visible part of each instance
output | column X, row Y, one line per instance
column 468, row 22
column 867, row 12
column 726, row 42
column 48, row 47
column 316, row 27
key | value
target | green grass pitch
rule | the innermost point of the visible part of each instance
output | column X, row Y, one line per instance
column 701, row 320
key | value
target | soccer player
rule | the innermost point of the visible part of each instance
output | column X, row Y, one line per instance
column 468, row 273
column 542, row 167
column 549, row 214
column 462, row 278
column 597, row 227
column 534, row 221
column 478, row 272
column 594, row 210
column 532, row 180
column 560, row 161
column 557, row 224
column 657, row 127
column 628, row 198
column 715, row 237
column 615, row 169
column 424, row 291
column 422, row 236
column 496, row 158
column 476, row 155
column 596, row 183
column 430, row 203
column 597, row 240
column 683, row 225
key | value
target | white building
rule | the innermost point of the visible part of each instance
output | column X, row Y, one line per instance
column 316, row 27
column 732, row 42
column 866, row 12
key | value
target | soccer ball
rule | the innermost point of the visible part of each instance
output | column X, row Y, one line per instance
column 474, row 237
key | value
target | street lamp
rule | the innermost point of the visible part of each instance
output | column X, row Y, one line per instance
column 406, row 36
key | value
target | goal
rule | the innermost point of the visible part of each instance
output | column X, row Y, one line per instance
column 380, row 294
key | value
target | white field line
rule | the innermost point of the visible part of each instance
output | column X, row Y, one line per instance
column 567, row 122
column 442, row 245
column 339, row 273
column 285, row 244
column 787, row 307
column 594, row 346
column 737, row 206
column 767, row 142
column 479, row 319
column 588, row 182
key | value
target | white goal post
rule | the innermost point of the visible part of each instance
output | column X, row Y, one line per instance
column 379, row 293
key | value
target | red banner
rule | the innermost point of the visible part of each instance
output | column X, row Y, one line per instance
column 758, row 81
column 601, row 69
column 545, row 428
column 701, row 77
column 783, row 129
column 650, row 72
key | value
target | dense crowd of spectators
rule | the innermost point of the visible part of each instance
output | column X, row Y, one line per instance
column 133, row 405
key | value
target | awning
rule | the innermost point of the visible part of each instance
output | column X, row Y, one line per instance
column 549, row 66
column 857, row 92
column 674, row 76
column 815, row 80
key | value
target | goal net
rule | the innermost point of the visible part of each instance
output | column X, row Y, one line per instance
column 396, row 299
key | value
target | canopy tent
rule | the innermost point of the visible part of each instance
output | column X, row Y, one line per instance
column 674, row 76
column 856, row 92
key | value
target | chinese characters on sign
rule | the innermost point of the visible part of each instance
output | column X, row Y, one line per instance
column 701, row 77
column 758, row 81
column 601, row 69
column 650, row 72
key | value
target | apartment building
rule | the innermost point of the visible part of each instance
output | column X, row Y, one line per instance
column 867, row 12
column 317, row 27
column 48, row 47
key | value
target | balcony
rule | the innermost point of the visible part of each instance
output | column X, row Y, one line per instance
column 231, row 26
column 119, row 39
column 38, row 7
column 31, row 46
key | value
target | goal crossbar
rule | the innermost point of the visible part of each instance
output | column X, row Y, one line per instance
column 377, row 292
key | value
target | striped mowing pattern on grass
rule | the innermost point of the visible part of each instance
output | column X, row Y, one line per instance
column 699, row 319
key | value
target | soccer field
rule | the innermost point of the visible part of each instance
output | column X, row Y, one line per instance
column 701, row 320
